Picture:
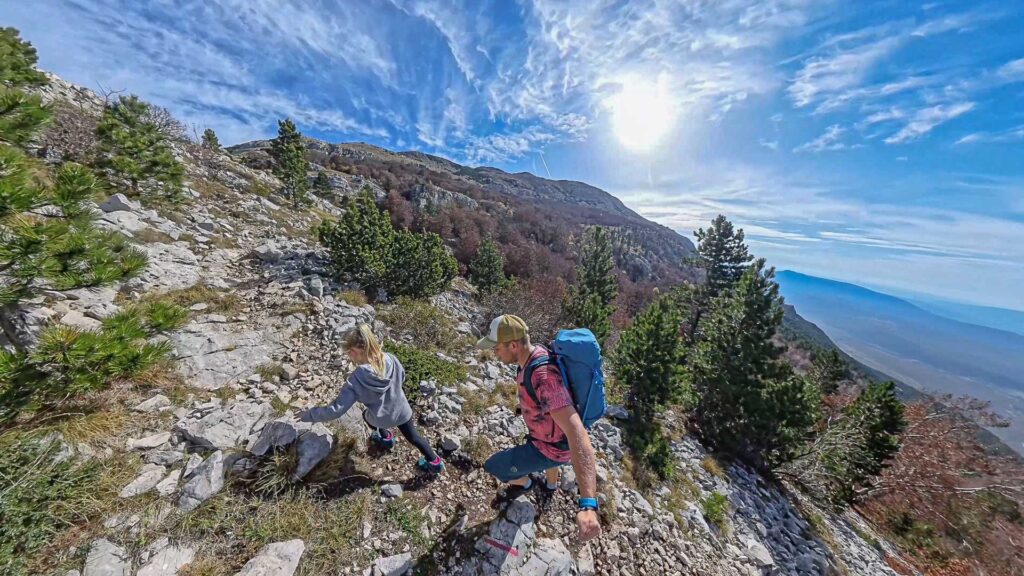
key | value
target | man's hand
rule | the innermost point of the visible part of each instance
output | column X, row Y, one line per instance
column 590, row 526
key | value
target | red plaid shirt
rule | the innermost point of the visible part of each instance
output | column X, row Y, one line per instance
column 552, row 393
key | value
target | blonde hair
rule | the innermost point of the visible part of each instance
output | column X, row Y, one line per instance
column 362, row 337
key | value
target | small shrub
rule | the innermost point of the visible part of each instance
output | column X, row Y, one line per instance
column 712, row 466
column 423, row 365
column 353, row 298
column 479, row 448
column 715, row 507
column 68, row 361
column 136, row 149
column 419, row 319
column 41, row 495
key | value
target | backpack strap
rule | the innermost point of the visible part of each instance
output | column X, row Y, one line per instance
column 528, row 375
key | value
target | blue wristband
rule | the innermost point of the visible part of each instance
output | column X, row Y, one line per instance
column 588, row 503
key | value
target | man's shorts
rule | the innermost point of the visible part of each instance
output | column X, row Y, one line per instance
column 518, row 462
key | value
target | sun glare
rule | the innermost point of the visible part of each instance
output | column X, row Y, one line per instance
column 642, row 113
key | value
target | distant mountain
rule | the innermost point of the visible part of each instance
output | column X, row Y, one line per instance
column 930, row 352
column 644, row 249
column 998, row 318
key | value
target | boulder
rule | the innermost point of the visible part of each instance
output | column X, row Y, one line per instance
column 451, row 442
column 225, row 428
column 278, row 433
column 118, row 203
column 206, row 481
column 268, row 253
column 169, row 484
column 106, row 559
column 277, row 559
column 314, row 445
column 550, row 557
column 391, row 490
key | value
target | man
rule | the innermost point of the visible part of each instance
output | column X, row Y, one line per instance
column 556, row 432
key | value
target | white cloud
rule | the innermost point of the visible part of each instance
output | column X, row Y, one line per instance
column 830, row 140
column 926, row 119
column 1011, row 135
column 769, row 144
column 1013, row 70
column 830, row 75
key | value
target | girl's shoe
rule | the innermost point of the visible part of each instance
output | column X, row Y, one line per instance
column 387, row 442
column 435, row 467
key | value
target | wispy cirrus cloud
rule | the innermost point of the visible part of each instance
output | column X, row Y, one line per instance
column 830, row 140
column 926, row 119
column 1014, row 134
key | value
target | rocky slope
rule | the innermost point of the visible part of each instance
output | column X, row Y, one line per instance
column 262, row 342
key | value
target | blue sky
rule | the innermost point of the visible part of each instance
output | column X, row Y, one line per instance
column 877, row 142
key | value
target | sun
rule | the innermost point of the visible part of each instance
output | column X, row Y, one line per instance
column 642, row 113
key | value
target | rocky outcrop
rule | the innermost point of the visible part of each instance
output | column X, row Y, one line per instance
column 430, row 198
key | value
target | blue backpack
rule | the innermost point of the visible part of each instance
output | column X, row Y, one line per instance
column 578, row 357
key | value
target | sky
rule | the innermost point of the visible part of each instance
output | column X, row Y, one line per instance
column 875, row 142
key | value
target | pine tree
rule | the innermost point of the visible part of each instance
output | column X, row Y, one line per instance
column 48, row 234
column 589, row 302
column 136, row 150
column 649, row 360
column 749, row 402
column 210, row 141
column 18, row 61
column 854, row 449
column 290, row 161
column 419, row 265
column 322, row 185
column 827, row 370
column 487, row 270
column 360, row 242
column 722, row 254
column 21, row 114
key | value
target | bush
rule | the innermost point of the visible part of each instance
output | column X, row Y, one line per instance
column 40, row 494
column 423, row 365
column 715, row 507
column 137, row 149
column 365, row 247
column 63, row 249
column 487, row 270
column 538, row 301
column 428, row 327
column 68, row 361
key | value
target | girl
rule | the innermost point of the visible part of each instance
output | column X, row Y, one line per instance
column 377, row 384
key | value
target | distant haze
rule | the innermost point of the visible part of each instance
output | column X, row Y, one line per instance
column 924, row 349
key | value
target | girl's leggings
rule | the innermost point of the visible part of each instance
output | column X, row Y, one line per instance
column 410, row 433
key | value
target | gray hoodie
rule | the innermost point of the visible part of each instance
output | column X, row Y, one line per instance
column 386, row 405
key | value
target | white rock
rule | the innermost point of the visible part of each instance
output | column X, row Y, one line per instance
column 155, row 403
column 76, row 319
column 391, row 566
column 206, row 481
column 168, row 485
column 149, row 441
column 391, row 490
column 167, row 561
column 194, row 461
column 147, row 480
column 277, row 559
column 119, row 202
column 758, row 554
column 451, row 442
column 106, row 559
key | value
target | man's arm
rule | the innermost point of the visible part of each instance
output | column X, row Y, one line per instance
column 583, row 462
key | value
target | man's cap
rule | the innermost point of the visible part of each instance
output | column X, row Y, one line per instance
column 504, row 328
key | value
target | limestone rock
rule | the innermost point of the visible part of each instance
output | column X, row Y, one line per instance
column 227, row 428
column 119, row 202
column 106, row 559
column 277, row 559
column 155, row 403
column 391, row 566
column 167, row 561
column 169, row 484
column 391, row 490
column 314, row 445
column 206, row 481
column 149, row 441
column 149, row 477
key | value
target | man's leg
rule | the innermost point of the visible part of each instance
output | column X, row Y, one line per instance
column 515, row 465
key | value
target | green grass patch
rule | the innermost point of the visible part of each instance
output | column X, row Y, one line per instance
column 217, row 301
column 424, row 365
column 715, row 507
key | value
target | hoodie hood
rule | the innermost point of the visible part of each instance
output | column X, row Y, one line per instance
column 371, row 380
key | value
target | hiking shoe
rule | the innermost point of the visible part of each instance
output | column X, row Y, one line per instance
column 431, row 467
column 387, row 442
column 512, row 491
